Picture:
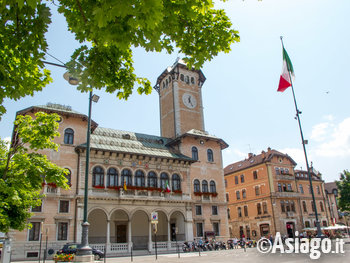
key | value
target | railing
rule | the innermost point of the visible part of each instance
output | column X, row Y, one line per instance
column 101, row 247
column 119, row 247
column 160, row 245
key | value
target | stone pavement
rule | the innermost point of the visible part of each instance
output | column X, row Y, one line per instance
column 235, row 255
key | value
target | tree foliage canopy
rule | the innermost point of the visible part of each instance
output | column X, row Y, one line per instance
column 107, row 31
column 23, row 170
column 344, row 191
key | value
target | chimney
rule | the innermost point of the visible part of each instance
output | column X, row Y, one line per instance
column 268, row 149
column 263, row 153
column 250, row 155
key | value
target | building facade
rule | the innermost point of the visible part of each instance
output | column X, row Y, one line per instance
column 265, row 195
column 179, row 175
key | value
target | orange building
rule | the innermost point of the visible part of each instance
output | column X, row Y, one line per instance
column 264, row 196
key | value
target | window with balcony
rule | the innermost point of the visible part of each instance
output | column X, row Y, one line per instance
column 112, row 176
column 164, row 180
column 212, row 187
column 196, row 186
column 98, row 176
column 205, row 186
column 277, row 170
column 238, row 195
column 139, row 178
column 152, row 179
column 176, row 182
column 126, row 177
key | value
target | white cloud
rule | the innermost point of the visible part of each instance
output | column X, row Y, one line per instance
column 328, row 117
column 232, row 155
column 338, row 143
column 296, row 154
column 319, row 131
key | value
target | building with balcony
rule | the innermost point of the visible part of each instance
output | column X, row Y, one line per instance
column 179, row 175
column 265, row 195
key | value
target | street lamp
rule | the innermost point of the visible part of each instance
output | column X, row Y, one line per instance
column 85, row 249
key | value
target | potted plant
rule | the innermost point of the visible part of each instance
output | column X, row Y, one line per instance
column 63, row 257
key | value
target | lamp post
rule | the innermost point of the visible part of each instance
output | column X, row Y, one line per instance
column 85, row 249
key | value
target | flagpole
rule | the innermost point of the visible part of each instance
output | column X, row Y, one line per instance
column 318, row 226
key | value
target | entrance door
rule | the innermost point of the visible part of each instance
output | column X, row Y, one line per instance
column 121, row 234
column 173, row 231
column 290, row 229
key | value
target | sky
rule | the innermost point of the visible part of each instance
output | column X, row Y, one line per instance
column 240, row 98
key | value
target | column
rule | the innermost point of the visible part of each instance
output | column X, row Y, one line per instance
column 149, row 236
column 129, row 236
column 108, row 236
column 169, row 240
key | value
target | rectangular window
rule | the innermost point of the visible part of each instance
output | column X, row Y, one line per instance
column 283, row 207
column 318, row 190
column 37, row 209
column 265, row 207
column 216, row 229
column 64, row 206
column 62, row 231
column 227, row 197
column 279, row 187
column 225, row 183
column 236, row 179
column 289, row 187
column 255, row 175
column 245, row 210
column 239, row 211
column 301, row 188
column 214, row 210
column 199, row 227
column 198, row 210
column 34, row 232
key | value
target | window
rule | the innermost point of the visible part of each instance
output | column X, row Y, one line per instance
column 34, row 232
column 212, row 187
column 214, row 210
column 152, row 179
column 194, row 153
column 182, row 77
column 324, row 223
column 187, row 80
column 312, row 206
column 321, row 206
column 287, row 206
column 98, row 176
column 304, row 207
column 68, row 136
column 279, row 187
column 239, row 211
column 228, row 213
column 257, row 190
column 199, row 227
column 284, row 187
column 64, row 206
column 62, row 231
column 216, row 228
column 37, row 209
column 255, row 175
column 245, row 208
column 204, row 186
column 238, row 196
column 192, row 80
column 277, row 170
column 242, row 178
column 196, row 186
column 283, row 209
column 264, row 207
column 309, row 189
column 318, row 190
column 164, row 179
column 307, row 223
column 198, row 210
column 126, row 177
column 258, row 207
column 210, row 155
column 236, row 179
column 301, row 188
column 112, row 176
column 244, row 194
column 286, row 171
column 289, row 188
column 292, row 205
column 227, row 197
column 68, row 177
column 176, row 182
column 139, row 178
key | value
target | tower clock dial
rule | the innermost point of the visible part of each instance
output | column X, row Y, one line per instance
column 189, row 100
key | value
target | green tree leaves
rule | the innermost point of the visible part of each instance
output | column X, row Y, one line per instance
column 23, row 169
column 108, row 30
column 344, row 191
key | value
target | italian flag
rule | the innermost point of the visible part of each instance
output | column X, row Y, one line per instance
column 285, row 80
column 167, row 188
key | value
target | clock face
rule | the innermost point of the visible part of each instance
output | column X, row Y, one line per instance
column 189, row 100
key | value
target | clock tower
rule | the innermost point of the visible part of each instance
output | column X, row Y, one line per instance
column 180, row 100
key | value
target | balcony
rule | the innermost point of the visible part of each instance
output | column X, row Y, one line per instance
column 287, row 194
column 285, row 177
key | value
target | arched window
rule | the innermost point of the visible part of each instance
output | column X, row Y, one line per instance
column 304, row 207
column 126, row 177
column 244, row 194
column 69, row 177
column 205, row 186
column 68, row 136
column 321, row 206
column 238, row 195
column 212, row 187
column 112, row 176
column 192, row 80
column 292, row 205
column 257, row 190
column 210, row 155
column 242, row 178
column 152, row 179
column 187, row 80
column 176, row 182
column 307, row 223
column 98, row 176
column 139, row 178
column 259, row 208
column 164, row 180
column 182, row 77
column 195, row 153
column 245, row 210
column 239, row 211
column 196, row 186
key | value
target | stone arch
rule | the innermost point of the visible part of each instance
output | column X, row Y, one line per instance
column 139, row 229
column 97, row 219
column 162, row 226
column 119, row 220
column 177, row 226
